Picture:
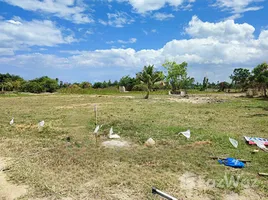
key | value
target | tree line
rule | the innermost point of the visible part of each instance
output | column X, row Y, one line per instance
column 174, row 78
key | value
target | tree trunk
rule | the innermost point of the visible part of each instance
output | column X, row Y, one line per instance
column 265, row 93
column 148, row 93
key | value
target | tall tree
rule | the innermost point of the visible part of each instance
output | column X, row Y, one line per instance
column 149, row 76
column 205, row 84
column 240, row 78
column 177, row 75
column 259, row 77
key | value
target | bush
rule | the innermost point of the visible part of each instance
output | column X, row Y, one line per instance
column 139, row 87
column 32, row 87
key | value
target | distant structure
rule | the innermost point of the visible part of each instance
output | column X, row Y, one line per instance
column 122, row 89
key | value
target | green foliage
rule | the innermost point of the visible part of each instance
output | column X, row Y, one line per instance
column 177, row 75
column 149, row 77
column 97, row 85
column 10, row 82
column 223, row 86
column 39, row 85
column 32, row 86
column 139, row 87
column 128, row 82
column 259, row 77
column 205, row 84
column 240, row 78
column 85, row 85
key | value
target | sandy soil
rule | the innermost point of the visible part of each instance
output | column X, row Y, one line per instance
column 9, row 191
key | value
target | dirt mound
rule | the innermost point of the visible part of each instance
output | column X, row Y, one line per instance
column 196, row 100
column 115, row 144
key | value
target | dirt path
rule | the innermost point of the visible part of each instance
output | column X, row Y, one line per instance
column 9, row 191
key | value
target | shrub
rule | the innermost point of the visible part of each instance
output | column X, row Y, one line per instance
column 139, row 87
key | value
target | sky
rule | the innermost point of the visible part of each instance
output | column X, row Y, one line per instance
column 97, row 40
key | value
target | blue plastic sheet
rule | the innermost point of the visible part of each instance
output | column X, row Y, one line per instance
column 232, row 162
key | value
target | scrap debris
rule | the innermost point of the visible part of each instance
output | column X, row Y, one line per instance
column 224, row 158
column 252, row 140
column 233, row 142
column 112, row 135
column 263, row 174
column 12, row 121
column 232, row 162
column 150, row 142
column 187, row 133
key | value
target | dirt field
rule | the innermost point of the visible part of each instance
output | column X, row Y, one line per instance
column 63, row 160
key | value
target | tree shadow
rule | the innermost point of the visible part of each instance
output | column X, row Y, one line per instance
column 262, row 98
column 265, row 108
column 257, row 115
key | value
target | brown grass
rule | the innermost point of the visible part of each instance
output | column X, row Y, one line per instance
column 54, row 168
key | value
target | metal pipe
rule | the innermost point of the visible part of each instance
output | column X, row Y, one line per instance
column 162, row 194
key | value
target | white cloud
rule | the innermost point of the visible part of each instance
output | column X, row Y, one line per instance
column 225, row 30
column 130, row 41
column 19, row 35
column 239, row 6
column 118, row 19
column 142, row 6
column 67, row 9
column 162, row 16
column 145, row 32
column 214, row 47
column 263, row 38
column 89, row 32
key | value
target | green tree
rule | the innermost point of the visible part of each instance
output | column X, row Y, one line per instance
column 223, row 86
column 33, row 87
column 149, row 76
column 259, row 77
column 97, row 85
column 128, row 82
column 85, row 85
column 205, row 84
column 105, row 84
column 177, row 75
column 115, row 83
column 10, row 82
column 49, row 85
column 240, row 78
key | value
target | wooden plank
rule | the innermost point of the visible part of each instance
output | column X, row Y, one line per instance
column 263, row 174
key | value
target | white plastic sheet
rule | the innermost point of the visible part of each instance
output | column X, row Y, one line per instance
column 233, row 142
column 112, row 135
column 41, row 124
column 97, row 129
column 12, row 121
column 187, row 134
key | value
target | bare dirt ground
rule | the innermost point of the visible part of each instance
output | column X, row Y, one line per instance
column 203, row 98
column 9, row 191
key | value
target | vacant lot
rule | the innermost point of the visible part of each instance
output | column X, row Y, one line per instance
column 63, row 161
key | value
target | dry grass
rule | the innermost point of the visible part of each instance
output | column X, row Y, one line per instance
column 54, row 168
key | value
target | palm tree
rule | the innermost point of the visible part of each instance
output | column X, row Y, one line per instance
column 149, row 77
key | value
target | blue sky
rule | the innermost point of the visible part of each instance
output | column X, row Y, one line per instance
column 96, row 40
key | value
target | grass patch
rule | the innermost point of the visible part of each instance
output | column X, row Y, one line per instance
column 54, row 167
